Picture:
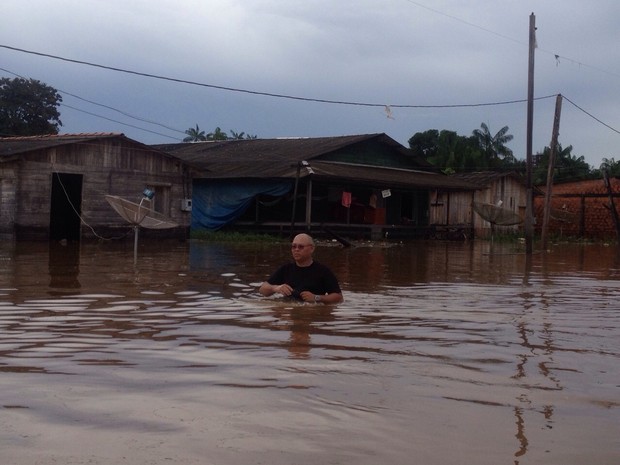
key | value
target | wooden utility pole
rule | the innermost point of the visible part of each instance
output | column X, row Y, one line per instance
column 550, row 170
column 295, row 199
column 612, row 204
column 529, row 226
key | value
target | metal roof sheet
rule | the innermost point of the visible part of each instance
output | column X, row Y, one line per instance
column 280, row 158
column 486, row 178
column 214, row 154
column 22, row 144
column 389, row 177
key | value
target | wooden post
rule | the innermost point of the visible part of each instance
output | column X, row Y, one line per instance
column 612, row 205
column 582, row 217
column 529, row 226
column 295, row 199
column 136, row 230
column 309, row 204
column 550, row 169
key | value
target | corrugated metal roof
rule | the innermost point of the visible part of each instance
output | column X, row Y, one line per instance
column 280, row 158
column 21, row 144
column 389, row 177
column 486, row 178
column 204, row 155
column 15, row 146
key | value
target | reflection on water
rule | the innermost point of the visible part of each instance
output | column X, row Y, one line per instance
column 442, row 353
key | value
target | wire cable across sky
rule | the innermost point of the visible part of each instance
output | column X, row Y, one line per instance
column 265, row 94
column 387, row 107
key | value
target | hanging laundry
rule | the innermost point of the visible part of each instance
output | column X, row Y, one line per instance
column 346, row 199
column 372, row 202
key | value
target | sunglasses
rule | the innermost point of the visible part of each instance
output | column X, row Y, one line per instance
column 299, row 246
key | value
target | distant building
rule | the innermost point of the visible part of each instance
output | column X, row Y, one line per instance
column 367, row 186
column 580, row 209
column 54, row 187
column 498, row 196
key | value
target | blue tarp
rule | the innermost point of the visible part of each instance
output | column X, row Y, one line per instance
column 216, row 203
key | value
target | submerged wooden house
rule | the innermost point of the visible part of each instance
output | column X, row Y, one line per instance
column 497, row 205
column 366, row 186
column 54, row 187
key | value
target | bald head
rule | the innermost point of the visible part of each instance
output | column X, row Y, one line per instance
column 304, row 239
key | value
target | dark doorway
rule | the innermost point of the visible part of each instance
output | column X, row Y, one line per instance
column 66, row 207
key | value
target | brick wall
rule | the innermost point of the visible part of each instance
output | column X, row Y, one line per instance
column 585, row 214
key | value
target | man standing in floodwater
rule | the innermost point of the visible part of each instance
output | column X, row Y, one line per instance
column 304, row 279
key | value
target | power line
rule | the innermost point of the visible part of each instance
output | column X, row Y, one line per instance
column 590, row 115
column 460, row 20
column 265, row 94
column 118, row 122
column 232, row 89
column 139, row 118
column 64, row 92
column 557, row 56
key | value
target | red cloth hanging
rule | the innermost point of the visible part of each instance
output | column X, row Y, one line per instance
column 346, row 199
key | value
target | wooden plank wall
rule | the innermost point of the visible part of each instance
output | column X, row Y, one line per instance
column 108, row 166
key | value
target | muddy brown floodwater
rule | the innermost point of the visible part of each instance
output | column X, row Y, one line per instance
column 442, row 353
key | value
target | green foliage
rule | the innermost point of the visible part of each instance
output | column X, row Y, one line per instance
column 218, row 134
column 28, row 108
column 424, row 144
column 611, row 166
column 454, row 153
column 567, row 167
column 232, row 236
column 195, row 135
column 483, row 150
column 494, row 147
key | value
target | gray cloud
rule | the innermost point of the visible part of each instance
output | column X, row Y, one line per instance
column 392, row 52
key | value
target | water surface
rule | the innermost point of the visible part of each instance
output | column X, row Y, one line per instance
column 442, row 353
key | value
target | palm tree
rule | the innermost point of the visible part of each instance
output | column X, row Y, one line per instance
column 494, row 146
column 237, row 135
column 611, row 166
column 218, row 134
column 194, row 135
column 567, row 167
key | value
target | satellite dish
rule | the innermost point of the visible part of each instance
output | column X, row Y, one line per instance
column 138, row 215
column 496, row 215
column 563, row 216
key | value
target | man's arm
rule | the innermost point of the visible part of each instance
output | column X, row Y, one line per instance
column 267, row 289
column 330, row 298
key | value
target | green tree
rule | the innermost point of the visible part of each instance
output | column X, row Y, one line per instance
column 218, row 134
column 237, row 135
column 567, row 167
column 611, row 166
column 28, row 108
column 494, row 147
column 194, row 135
column 424, row 144
column 447, row 150
column 240, row 135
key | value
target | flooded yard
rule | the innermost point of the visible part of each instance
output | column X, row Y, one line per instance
column 442, row 353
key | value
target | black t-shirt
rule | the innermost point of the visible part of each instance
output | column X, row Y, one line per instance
column 316, row 278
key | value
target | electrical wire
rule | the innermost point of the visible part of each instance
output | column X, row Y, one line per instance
column 231, row 89
column 139, row 118
column 64, row 92
column 116, row 121
column 512, row 39
column 265, row 94
column 79, row 215
column 590, row 115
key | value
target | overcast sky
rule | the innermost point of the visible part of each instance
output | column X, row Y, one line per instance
column 384, row 54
